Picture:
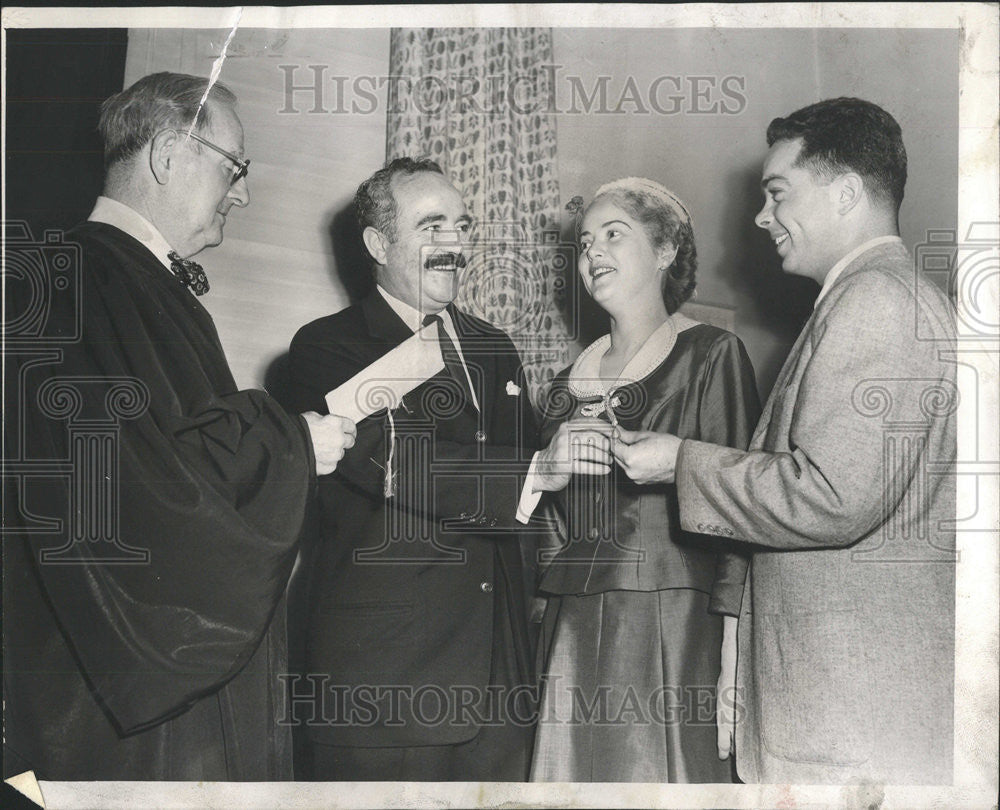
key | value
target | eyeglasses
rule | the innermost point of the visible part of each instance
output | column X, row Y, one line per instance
column 240, row 165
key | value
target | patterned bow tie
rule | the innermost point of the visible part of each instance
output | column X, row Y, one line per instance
column 188, row 273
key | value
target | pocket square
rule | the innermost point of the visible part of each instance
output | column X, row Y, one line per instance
column 512, row 389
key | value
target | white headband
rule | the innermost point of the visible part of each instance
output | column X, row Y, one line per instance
column 641, row 184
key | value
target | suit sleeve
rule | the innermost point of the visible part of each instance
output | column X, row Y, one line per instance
column 727, row 415
column 834, row 485
column 486, row 486
column 168, row 577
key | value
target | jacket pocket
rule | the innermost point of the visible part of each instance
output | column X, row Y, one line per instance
column 370, row 624
column 814, row 686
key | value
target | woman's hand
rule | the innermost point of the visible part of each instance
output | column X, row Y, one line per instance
column 579, row 447
column 645, row 456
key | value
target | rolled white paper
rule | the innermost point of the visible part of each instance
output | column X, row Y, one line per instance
column 385, row 382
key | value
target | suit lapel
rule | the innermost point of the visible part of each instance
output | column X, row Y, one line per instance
column 383, row 322
column 386, row 331
column 389, row 330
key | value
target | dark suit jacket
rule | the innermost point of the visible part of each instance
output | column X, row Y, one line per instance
column 401, row 589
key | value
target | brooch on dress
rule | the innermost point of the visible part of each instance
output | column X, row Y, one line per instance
column 607, row 404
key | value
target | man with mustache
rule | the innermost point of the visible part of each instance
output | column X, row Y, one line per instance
column 418, row 661
column 144, row 622
column 847, row 493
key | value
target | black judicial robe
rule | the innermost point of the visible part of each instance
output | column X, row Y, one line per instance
column 147, row 645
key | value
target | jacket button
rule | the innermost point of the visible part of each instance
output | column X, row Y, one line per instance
column 480, row 436
column 486, row 587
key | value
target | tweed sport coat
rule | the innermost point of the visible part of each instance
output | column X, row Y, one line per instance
column 846, row 634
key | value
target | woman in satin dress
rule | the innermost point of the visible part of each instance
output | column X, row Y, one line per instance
column 633, row 627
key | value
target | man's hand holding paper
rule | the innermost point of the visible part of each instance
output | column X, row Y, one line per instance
column 331, row 437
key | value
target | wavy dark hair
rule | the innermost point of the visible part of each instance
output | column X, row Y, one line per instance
column 848, row 134
column 374, row 203
column 663, row 226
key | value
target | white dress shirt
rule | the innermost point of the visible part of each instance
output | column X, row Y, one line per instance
column 839, row 267
column 112, row 212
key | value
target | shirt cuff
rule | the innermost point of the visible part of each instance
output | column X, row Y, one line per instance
column 529, row 498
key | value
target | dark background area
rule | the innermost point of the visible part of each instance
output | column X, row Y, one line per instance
column 56, row 81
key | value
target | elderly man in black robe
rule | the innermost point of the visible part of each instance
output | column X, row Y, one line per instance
column 155, row 520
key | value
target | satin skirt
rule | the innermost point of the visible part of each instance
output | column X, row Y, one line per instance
column 628, row 693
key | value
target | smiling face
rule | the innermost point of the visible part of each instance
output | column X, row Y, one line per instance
column 618, row 262
column 420, row 265
column 200, row 194
column 800, row 213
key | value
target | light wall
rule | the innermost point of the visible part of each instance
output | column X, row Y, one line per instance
column 712, row 160
column 288, row 257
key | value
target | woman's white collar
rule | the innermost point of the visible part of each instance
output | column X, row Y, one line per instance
column 585, row 376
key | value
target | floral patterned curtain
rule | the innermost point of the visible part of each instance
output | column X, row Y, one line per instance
column 479, row 101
